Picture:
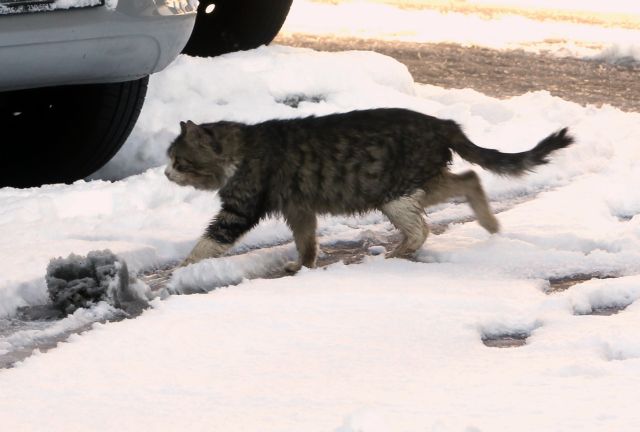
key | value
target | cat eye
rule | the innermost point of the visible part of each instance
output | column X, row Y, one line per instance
column 182, row 165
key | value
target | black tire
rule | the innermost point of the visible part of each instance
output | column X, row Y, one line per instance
column 62, row 134
column 235, row 25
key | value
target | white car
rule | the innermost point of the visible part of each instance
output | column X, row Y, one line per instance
column 74, row 73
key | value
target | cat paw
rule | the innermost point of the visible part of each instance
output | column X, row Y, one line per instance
column 188, row 261
column 205, row 248
column 292, row 267
column 399, row 252
column 492, row 225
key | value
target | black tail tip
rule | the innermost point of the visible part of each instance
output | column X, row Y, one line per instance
column 556, row 141
column 562, row 138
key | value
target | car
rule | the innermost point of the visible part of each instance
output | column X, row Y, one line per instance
column 74, row 73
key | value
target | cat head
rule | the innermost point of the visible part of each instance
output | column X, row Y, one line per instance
column 203, row 155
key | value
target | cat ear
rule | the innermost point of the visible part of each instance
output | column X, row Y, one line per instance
column 189, row 126
column 214, row 142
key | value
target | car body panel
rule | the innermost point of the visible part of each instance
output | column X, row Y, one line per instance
column 121, row 41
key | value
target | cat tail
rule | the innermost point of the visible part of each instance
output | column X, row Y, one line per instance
column 511, row 164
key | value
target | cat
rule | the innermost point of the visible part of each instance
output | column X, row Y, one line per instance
column 390, row 159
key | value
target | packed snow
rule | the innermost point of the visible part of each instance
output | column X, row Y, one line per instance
column 384, row 345
column 381, row 21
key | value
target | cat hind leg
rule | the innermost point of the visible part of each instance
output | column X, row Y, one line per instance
column 406, row 214
column 466, row 184
column 303, row 224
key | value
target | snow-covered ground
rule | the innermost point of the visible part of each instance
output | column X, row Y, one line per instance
column 383, row 21
column 386, row 345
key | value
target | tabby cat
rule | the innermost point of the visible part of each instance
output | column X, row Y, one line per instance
column 390, row 159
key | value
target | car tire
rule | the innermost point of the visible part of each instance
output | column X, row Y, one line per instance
column 62, row 134
column 224, row 26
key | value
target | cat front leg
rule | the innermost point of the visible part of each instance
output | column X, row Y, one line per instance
column 230, row 224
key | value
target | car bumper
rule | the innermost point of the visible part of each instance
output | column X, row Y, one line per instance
column 121, row 41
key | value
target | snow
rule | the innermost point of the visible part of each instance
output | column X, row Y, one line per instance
column 68, row 4
column 610, row 6
column 59, row 4
column 354, row 347
column 380, row 21
column 384, row 345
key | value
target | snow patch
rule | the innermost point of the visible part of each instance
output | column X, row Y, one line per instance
column 53, row 5
column 378, row 21
column 68, row 4
column 596, row 294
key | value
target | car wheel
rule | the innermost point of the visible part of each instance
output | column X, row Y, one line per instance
column 62, row 134
column 224, row 26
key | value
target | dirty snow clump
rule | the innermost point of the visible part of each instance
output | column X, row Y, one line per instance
column 79, row 282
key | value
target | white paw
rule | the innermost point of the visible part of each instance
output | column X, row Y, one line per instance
column 205, row 248
column 292, row 267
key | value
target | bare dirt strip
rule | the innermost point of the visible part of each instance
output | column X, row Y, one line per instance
column 499, row 73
